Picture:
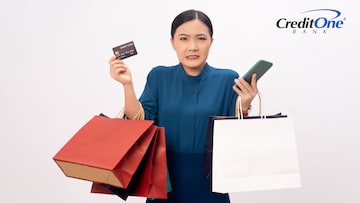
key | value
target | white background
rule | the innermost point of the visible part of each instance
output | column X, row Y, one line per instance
column 54, row 76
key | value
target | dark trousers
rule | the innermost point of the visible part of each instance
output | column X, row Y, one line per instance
column 187, row 181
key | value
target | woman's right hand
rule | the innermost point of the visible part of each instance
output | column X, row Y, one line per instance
column 120, row 71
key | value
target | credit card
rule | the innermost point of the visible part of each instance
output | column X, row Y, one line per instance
column 125, row 50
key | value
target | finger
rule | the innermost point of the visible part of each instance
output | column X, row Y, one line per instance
column 119, row 68
column 237, row 89
column 237, row 84
column 112, row 59
column 253, row 80
column 254, row 83
column 115, row 65
column 122, row 69
column 244, row 86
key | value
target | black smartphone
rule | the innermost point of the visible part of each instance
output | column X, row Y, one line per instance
column 260, row 68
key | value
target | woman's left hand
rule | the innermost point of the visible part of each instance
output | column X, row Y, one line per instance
column 246, row 91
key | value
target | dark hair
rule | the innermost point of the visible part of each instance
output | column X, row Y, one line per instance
column 189, row 15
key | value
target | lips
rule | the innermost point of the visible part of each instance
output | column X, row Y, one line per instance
column 192, row 57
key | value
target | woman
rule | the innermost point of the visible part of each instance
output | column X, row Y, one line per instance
column 181, row 98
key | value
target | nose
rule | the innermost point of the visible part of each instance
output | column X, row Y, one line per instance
column 193, row 46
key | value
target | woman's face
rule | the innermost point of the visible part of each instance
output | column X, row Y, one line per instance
column 192, row 42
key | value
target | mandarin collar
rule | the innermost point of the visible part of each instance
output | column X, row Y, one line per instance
column 202, row 74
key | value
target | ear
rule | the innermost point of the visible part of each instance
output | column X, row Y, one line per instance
column 172, row 43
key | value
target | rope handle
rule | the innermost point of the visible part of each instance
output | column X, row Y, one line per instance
column 139, row 115
column 241, row 115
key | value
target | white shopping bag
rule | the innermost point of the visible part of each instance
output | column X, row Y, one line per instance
column 254, row 153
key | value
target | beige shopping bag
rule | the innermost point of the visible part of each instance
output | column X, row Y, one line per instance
column 254, row 153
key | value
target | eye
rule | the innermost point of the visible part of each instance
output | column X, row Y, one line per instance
column 202, row 38
column 183, row 38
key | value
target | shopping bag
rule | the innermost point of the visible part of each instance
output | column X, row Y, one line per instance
column 159, row 180
column 150, row 179
column 140, row 178
column 106, row 150
column 207, row 163
column 254, row 153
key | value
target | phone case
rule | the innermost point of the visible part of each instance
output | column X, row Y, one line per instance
column 260, row 67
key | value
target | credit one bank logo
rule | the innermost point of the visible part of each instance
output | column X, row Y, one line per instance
column 317, row 21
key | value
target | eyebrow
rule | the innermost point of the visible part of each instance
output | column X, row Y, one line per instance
column 195, row 35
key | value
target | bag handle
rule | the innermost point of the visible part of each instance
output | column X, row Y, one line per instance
column 241, row 115
column 139, row 116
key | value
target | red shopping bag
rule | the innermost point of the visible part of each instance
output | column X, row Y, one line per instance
column 150, row 179
column 159, row 179
column 106, row 150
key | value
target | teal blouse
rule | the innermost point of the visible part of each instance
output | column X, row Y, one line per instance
column 182, row 103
